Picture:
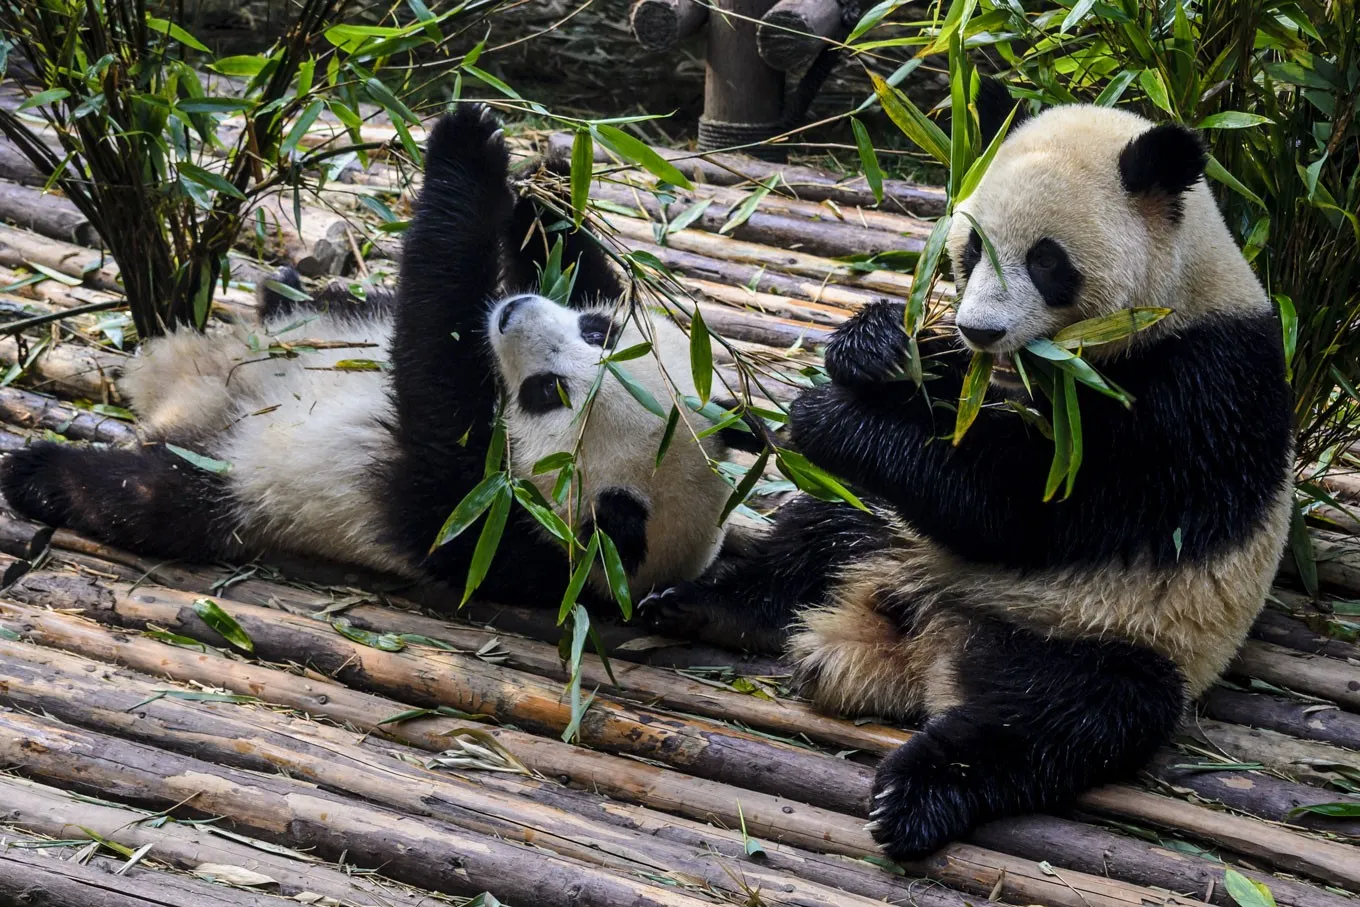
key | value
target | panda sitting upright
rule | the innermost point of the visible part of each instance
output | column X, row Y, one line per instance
column 1054, row 646
column 364, row 467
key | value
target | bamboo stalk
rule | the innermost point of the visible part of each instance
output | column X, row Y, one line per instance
column 39, row 876
column 768, row 818
column 57, row 814
column 35, row 411
column 416, row 851
column 263, row 740
column 1310, row 721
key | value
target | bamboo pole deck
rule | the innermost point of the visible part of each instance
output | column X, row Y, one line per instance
column 332, row 776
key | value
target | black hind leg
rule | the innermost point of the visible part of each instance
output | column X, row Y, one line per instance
column 749, row 596
column 1040, row 722
column 150, row 500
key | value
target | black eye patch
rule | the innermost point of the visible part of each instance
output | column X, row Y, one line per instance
column 1054, row 275
column 598, row 330
column 543, row 393
column 972, row 253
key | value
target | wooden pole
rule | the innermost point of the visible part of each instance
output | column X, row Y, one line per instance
column 793, row 32
column 660, row 25
column 743, row 95
column 30, row 410
column 1288, row 716
column 46, row 213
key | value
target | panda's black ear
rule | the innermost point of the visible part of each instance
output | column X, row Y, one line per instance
column 994, row 104
column 1166, row 160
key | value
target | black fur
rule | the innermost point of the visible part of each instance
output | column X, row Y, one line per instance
column 1042, row 721
column 1200, row 455
column 994, row 104
column 151, row 500
column 1054, row 275
column 333, row 299
column 972, row 254
column 623, row 518
column 1166, row 160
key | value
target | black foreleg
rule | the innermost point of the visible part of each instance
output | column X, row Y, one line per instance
column 1041, row 721
column 150, row 501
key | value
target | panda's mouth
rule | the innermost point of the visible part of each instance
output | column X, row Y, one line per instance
column 1004, row 373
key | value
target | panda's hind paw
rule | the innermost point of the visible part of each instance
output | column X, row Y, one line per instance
column 920, row 802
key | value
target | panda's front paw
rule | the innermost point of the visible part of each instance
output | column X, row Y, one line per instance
column 468, row 142
column 870, row 347
column 680, row 611
column 920, row 802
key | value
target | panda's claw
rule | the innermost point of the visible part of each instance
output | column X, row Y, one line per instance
column 922, row 803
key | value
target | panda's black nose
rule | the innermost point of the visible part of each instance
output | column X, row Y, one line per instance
column 982, row 336
column 508, row 309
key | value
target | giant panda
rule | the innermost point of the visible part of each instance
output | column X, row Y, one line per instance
column 364, row 467
column 1050, row 647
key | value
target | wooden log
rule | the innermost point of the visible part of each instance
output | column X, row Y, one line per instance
column 17, row 168
column 1317, row 675
column 57, row 814
column 68, row 369
column 416, row 851
column 733, row 324
column 38, row 877
column 1282, row 630
column 768, row 818
column 45, row 213
column 660, row 25
column 793, row 32
column 828, row 238
column 261, row 740
column 1338, row 562
column 1318, row 764
column 1310, row 721
column 313, row 240
column 804, row 182
column 743, row 95
column 30, row 410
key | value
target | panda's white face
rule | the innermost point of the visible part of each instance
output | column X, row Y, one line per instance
column 548, row 358
column 1070, row 241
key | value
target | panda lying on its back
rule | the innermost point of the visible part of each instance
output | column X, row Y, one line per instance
column 1053, row 646
column 351, row 466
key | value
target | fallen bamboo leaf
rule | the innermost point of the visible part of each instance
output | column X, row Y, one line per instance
column 224, row 624
column 233, row 875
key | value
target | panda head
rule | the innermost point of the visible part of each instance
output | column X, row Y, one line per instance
column 1089, row 210
column 548, row 358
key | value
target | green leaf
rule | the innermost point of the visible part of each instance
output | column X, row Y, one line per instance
column 1073, row 432
column 640, row 393
column 868, row 160
column 245, row 66
column 990, row 249
column 636, row 351
column 668, row 435
column 580, row 632
column 1115, row 89
column 1246, row 892
column 531, row 499
column 1301, row 547
column 1342, row 810
column 872, row 17
column 616, row 575
column 470, row 508
column 813, row 479
column 207, row 464
column 300, row 128
column 488, row 79
column 488, row 542
column 1076, row 14
column 208, row 179
column 582, row 170
column 386, row 642
column 974, row 390
column 169, row 28
column 926, row 267
column 914, row 124
column 743, row 489
column 1152, row 83
column 1062, row 441
column 553, row 462
column 42, row 98
column 578, row 578
column 700, row 356
column 384, row 97
column 752, row 847
column 211, row 105
column 1232, row 119
column 978, row 168
column 1289, row 325
column 1217, row 171
column 223, row 623
column 689, row 216
column 359, row 365
column 1108, row 328
column 634, row 151
column 742, row 213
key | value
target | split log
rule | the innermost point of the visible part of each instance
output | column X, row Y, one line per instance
column 262, row 740
column 768, row 818
column 1311, row 721
column 1304, row 760
column 426, row 853
column 1317, row 675
column 805, row 182
column 38, row 877
column 793, row 32
column 828, row 238
column 660, row 25
column 45, row 213
column 57, row 814
column 30, row 410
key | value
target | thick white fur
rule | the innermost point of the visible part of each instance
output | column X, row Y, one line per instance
column 304, row 439
column 1057, row 176
column 683, row 495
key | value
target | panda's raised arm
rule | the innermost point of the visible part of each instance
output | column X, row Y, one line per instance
column 450, row 268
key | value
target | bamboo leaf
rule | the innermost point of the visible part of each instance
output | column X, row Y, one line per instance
column 385, row 642
column 43, row 98
column 1301, row 547
column 582, row 170
column 1062, row 442
column 488, row 542
column 469, row 509
column 578, row 578
column 974, row 390
column 926, row 267
column 635, row 151
column 872, row 17
column 1152, row 83
column 636, row 351
column 743, row 489
column 914, row 124
column 1073, row 432
column 208, row 179
column 639, row 393
column 688, row 216
column 868, row 160
column 207, row 464
column 813, row 479
column 616, row 575
column 1217, row 171
column 223, row 624
column 1232, row 119
column 304, row 122
column 742, row 213
column 668, row 435
column 990, row 249
column 383, row 96
column 174, row 31
column 1246, row 892
column 978, row 168
column 1115, row 89
column 1108, row 328
column 1335, row 810
column 700, row 357
column 1289, row 325
column 1079, row 11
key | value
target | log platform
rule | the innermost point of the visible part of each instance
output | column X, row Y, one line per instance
column 147, row 761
